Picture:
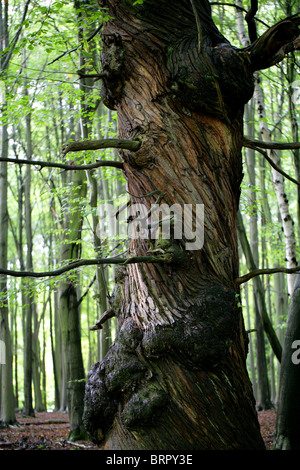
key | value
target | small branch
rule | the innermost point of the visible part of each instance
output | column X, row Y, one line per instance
column 250, row 18
column 260, row 272
column 87, row 291
column 7, row 58
column 76, row 444
column 272, row 46
column 166, row 258
column 269, row 160
column 77, row 146
column 63, row 54
column 110, row 313
column 64, row 166
column 225, row 4
column 96, row 76
column 271, row 145
column 77, row 47
column 253, row 330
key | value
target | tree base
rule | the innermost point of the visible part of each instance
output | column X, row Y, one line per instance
column 177, row 387
column 78, row 435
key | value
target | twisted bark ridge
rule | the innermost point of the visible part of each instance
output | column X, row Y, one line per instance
column 175, row 378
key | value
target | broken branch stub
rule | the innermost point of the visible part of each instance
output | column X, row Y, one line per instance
column 77, row 146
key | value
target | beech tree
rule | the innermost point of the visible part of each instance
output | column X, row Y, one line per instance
column 175, row 377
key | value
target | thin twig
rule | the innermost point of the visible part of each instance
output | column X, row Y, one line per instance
column 225, row 4
column 259, row 272
column 77, row 47
column 269, row 160
column 96, row 76
column 271, row 145
column 88, row 262
column 87, row 291
column 64, row 166
column 15, row 39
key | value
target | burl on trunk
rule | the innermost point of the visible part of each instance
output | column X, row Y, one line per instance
column 176, row 378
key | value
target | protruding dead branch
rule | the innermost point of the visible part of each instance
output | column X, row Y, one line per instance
column 110, row 313
column 77, row 146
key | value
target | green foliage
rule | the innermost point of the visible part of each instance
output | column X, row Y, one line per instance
column 42, row 82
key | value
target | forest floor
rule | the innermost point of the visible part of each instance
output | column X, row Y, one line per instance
column 45, row 431
column 49, row 431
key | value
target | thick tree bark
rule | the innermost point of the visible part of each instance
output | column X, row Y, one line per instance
column 176, row 377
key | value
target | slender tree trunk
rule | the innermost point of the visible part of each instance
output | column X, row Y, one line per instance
column 69, row 310
column 59, row 358
column 7, row 411
column 279, row 279
column 16, row 361
column 71, row 336
column 88, row 63
column 54, row 360
column 260, row 294
column 263, row 396
column 37, row 366
column 7, row 415
column 251, row 347
column 28, row 295
column 263, row 388
column 67, row 301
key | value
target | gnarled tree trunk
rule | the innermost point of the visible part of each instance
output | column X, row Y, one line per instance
column 176, row 377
